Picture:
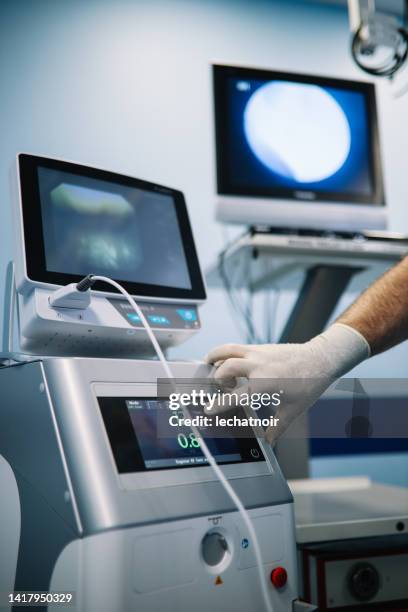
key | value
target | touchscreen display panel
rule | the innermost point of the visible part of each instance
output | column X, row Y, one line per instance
column 110, row 229
column 132, row 426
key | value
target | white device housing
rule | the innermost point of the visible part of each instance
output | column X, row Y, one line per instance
column 298, row 215
column 36, row 328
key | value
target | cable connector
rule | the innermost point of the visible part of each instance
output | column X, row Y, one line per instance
column 74, row 295
column 86, row 283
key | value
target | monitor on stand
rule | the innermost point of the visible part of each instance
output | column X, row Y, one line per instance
column 297, row 151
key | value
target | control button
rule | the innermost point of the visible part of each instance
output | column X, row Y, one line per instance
column 363, row 581
column 279, row 577
column 132, row 316
column 255, row 453
column 158, row 320
column 214, row 547
column 187, row 314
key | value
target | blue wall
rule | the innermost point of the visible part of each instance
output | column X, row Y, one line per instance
column 125, row 84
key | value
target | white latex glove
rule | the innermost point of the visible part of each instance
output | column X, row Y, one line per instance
column 310, row 367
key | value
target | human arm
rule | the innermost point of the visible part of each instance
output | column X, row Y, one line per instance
column 375, row 322
column 380, row 314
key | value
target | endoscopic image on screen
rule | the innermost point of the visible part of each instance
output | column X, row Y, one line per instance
column 93, row 226
column 297, row 136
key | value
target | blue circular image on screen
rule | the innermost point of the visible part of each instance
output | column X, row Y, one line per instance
column 298, row 131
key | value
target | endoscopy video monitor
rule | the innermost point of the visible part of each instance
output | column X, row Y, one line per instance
column 80, row 220
column 296, row 138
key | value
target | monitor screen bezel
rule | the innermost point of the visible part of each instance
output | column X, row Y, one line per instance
column 35, row 258
column 221, row 74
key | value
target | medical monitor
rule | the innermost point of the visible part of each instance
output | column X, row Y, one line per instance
column 73, row 220
column 78, row 220
column 297, row 150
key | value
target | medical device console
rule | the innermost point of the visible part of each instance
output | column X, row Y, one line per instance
column 72, row 220
column 158, row 535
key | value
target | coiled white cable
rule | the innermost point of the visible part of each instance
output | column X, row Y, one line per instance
column 203, row 445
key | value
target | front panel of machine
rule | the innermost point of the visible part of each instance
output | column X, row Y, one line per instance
column 108, row 410
column 201, row 564
column 177, row 538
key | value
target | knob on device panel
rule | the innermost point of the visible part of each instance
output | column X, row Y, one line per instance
column 363, row 581
column 214, row 547
column 216, row 552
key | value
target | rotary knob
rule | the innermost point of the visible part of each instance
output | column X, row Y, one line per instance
column 363, row 581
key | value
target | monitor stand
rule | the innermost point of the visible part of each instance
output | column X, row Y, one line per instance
column 308, row 318
column 9, row 353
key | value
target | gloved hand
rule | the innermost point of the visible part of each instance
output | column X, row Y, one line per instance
column 304, row 371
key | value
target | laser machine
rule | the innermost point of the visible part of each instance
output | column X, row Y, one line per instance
column 91, row 501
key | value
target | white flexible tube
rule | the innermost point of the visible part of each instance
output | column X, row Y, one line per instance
column 203, row 445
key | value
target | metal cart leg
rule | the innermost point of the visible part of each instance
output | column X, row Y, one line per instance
column 318, row 297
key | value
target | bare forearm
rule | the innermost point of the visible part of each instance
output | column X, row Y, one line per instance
column 380, row 314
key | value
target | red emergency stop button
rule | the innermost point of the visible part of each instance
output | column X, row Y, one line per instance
column 279, row 577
